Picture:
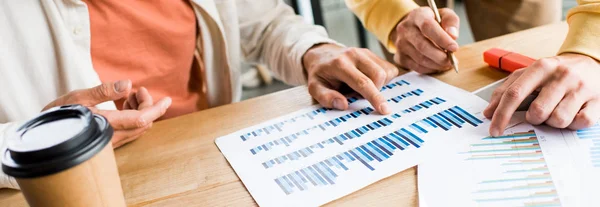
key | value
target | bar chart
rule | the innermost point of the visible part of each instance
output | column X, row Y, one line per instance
column 311, row 160
column 312, row 114
column 517, row 172
column 527, row 166
column 377, row 150
column 349, row 135
column 340, row 139
column 279, row 125
column 285, row 141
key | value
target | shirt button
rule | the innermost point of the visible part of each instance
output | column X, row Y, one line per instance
column 77, row 30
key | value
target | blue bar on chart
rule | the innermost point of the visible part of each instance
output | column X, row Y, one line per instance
column 380, row 149
column 288, row 139
column 278, row 126
column 394, row 84
column 592, row 135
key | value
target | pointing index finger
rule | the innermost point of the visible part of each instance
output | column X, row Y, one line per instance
column 157, row 110
column 131, row 119
column 532, row 78
column 360, row 83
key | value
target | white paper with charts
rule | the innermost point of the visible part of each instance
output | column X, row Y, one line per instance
column 316, row 155
column 528, row 166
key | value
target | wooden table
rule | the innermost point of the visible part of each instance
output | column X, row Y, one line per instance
column 178, row 164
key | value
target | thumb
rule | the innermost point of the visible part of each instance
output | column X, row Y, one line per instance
column 107, row 91
column 327, row 97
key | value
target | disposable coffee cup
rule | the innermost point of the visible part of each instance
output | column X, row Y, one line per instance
column 64, row 157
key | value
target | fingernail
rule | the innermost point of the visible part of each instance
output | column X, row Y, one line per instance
column 167, row 103
column 164, row 103
column 494, row 132
column 337, row 103
column 453, row 31
column 384, row 108
column 452, row 47
column 121, row 86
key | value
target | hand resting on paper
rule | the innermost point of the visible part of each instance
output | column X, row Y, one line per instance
column 569, row 93
column 330, row 66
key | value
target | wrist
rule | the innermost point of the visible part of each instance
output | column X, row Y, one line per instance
column 578, row 57
column 315, row 53
column 394, row 34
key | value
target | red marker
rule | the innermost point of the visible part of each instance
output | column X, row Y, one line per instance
column 505, row 60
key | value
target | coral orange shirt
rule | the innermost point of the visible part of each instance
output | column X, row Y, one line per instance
column 152, row 43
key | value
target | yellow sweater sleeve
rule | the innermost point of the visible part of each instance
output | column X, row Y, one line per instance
column 584, row 29
column 380, row 17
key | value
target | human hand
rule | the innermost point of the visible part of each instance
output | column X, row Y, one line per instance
column 330, row 66
column 421, row 41
column 129, row 123
column 569, row 94
column 138, row 100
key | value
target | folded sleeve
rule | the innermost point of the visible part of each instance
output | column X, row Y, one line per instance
column 584, row 29
column 380, row 17
column 273, row 34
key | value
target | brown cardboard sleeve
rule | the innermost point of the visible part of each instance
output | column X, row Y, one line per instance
column 94, row 182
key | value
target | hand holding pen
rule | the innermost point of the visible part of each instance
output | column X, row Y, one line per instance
column 422, row 43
